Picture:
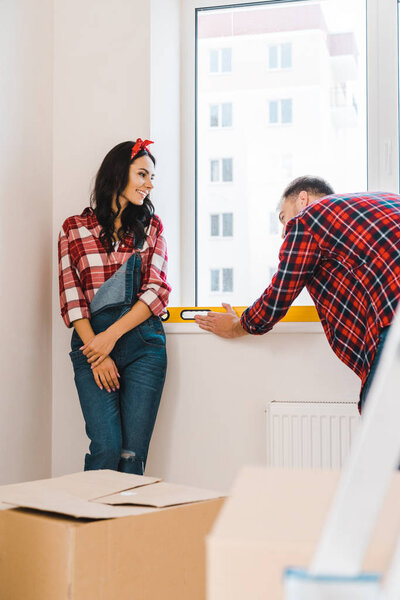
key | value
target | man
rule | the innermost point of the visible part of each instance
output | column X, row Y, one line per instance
column 345, row 249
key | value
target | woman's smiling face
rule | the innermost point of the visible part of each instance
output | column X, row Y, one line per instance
column 140, row 183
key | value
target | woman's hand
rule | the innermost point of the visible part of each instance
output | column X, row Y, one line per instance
column 99, row 347
column 106, row 375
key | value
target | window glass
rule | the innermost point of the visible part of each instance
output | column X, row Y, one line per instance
column 226, row 60
column 227, row 224
column 214, row 170
column 227, row 169
column 286, row 56
column 214, row 61
column 273, row 57
column 214, row 225
column 227, row 280
column 214, row 115
column 286, row 111
column 227, row 114
column 215, row 280
column 273, row 111
column 297, row 82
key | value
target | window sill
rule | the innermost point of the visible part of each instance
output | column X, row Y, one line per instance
column 280, row 328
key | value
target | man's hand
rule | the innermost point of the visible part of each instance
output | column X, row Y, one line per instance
column 226, row 325
column 106, row 374
column 99, row 347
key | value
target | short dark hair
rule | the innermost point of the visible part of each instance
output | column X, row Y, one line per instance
column 312, row 185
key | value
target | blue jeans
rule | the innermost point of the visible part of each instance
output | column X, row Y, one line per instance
column 120, row 424
column 374, row 366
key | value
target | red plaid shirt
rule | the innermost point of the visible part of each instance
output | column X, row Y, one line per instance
column 346, row 251
column 84, row 265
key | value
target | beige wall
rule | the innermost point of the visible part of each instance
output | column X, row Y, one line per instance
column 101, row 97
column 212, row 414
column 26, row 40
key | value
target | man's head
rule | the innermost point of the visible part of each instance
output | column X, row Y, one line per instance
column 300, row 193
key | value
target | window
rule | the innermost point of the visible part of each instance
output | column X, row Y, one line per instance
column 221, row 276
column 221, row 115
column 221, row 170
column 220, row 60
column 221, row 225
column 318, row 114
column 227, row 225
column 215, row 229
column 280, row 56
column 280, row 111
column 215, row 280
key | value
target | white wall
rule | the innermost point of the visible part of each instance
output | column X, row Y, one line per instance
column 212, row 414
column 165, row 128
column 101, row 98
column 26, row 43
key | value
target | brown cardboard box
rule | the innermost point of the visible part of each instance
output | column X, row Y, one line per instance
column 272, row 520
column 103, row 535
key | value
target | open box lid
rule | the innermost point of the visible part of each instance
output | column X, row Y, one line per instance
column 102, row 494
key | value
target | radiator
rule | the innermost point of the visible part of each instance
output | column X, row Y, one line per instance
column 310, row 434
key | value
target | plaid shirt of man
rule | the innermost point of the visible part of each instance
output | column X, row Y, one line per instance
column 345, row 249
column 84, row 265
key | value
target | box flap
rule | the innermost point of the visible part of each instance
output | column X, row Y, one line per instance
column 97, row 494
column 70, row 494
column 160, row 495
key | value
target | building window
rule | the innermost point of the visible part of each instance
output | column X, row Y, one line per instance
column 221, row 170
column 221, row 225
column 221, row 277
column 214, row 226
column 280, row 56
column 221, row 115
column 220, row 60
column 215, row 280
column 280, row 111
column 227, row 225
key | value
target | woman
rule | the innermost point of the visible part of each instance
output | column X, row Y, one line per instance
column 113, row 289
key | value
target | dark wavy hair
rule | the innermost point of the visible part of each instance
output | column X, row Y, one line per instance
column 111, row 180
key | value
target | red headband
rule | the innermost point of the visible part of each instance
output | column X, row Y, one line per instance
column 140, row 145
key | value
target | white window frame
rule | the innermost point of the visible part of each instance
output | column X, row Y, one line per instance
column 220, row 280
column 220, row 71
column 382, row 114
column 220, row 180
column 279, row 67
column 219, row 126
column 221, row 235
column 279, row 122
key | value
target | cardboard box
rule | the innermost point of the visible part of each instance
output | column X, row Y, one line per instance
column 273, row 520
column 103, row 535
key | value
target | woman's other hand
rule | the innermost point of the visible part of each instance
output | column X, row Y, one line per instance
column 106, row 375
column 99, row 347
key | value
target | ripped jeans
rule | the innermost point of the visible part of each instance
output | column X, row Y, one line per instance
column 120, row 424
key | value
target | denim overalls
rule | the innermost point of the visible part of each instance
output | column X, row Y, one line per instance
column 120, row 424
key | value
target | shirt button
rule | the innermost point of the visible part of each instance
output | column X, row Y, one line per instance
column 122, row 245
